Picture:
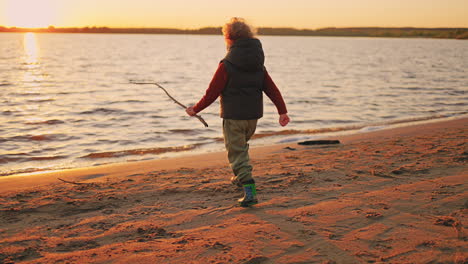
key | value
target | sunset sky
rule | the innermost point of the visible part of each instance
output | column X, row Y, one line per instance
column 262, row 13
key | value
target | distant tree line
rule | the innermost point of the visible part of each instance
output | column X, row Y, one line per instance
column 407, row 32
column 51, row 29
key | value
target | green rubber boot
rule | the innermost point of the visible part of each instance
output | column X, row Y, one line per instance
column 250, row 195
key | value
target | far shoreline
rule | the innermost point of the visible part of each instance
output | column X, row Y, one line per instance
column 377, row 32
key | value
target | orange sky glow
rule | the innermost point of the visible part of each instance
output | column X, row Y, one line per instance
column 262, row 13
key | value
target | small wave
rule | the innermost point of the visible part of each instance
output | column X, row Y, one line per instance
column 362, row 127
column 23, row 157
column 144, row 151
column 78, row 121
column 102, row 125
column 5, row 159
column 372, row 128
column 412, row 119
column 29, row 170
column 129, row 101
column 26, row 94
column 46, row 122
column 451, row 104
column 47, row 158
column 389, row 95
column 108, row 141
column 100, row 111
column 135, row 101
column 37, row 137
column 306, row 102
column 409, row 88
column 42, row 137
column 138, row 113
column 296, row 139
column 307, row 131
column 40, row 100
column 5, row 84
column 325, row 121
column 456, row 92
column 389, row 117
column 183, row 131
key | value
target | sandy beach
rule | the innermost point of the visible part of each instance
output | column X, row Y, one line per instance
column 391, row 196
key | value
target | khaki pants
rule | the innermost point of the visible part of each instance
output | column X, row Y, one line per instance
column 236, row 135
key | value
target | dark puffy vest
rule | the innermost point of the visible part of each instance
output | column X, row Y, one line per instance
column 242, row 98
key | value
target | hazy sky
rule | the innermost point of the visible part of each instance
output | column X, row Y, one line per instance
column 200, row 13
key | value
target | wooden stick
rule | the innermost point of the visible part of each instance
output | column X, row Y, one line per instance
column 173, row 99
column 77, row 183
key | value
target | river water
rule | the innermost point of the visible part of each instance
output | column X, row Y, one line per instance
column 66, row 100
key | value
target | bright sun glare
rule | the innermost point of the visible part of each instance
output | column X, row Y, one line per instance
column 30, row 13
column 31, row 49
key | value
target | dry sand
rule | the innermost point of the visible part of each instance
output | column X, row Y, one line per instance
column 392, row 196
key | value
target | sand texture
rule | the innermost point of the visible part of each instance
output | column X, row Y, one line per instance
column 394, row 196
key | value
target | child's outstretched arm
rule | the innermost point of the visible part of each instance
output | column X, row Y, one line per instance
column 215, row 88
column 272, row 91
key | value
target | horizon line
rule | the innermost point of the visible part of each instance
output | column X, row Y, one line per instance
column 454, row 33
column 219, row 27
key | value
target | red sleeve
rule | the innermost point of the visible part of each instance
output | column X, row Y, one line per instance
column 215, row 88
column 274, row 94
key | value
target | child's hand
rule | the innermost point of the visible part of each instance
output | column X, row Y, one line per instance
column 190, row 111
column 284, row 119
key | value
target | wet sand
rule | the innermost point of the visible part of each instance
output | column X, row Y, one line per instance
column 390, row 196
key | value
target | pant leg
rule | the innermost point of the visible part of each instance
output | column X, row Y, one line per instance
column 236, row 135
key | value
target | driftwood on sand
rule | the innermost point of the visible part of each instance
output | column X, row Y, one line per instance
column 77, row 183
column 319, row 142
column 173, row 99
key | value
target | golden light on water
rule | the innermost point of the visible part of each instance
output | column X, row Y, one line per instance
column 33, row 77
column 31, row 48
column 31, row 61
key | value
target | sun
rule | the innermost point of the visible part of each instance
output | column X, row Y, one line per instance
column 30, row 13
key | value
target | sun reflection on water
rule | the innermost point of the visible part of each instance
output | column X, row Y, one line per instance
column 32, row 78
column 31, row 60
column 31, row 48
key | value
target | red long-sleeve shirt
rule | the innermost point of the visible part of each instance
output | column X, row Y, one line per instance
column 219, row 81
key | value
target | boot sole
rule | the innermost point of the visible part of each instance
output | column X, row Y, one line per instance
column 248, row 204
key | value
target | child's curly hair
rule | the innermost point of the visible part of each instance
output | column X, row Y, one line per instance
column 236, row 29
